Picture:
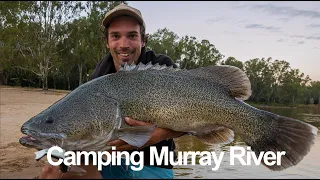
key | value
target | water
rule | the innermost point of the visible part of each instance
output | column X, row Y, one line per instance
column 308, row 168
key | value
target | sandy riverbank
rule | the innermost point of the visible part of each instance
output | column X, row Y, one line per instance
column 17, row 106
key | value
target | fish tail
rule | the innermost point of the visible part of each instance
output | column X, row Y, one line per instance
column 292, row 136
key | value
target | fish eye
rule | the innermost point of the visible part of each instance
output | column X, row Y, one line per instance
column 49, row 120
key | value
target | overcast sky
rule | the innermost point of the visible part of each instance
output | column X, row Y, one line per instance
column 284, row 30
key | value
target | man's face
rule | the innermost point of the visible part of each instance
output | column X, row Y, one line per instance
column 124, row 40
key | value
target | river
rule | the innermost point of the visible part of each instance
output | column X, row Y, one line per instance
column 308, row 168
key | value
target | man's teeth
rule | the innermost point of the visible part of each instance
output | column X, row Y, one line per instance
column 124, row 55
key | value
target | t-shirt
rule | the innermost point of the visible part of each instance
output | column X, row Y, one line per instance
column 106, row 66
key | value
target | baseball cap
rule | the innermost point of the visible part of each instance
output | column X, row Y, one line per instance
column 120, row 10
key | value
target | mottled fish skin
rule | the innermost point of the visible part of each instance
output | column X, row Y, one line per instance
column 182, row 103
column 161, row 100
column 206, row 102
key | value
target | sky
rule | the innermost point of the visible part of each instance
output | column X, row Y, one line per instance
column 285, row 30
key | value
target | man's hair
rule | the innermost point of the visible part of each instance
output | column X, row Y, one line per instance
column 144, row 36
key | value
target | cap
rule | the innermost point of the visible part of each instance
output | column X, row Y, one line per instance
column 120, row 10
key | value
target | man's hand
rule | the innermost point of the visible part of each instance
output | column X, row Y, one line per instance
column 158, row 135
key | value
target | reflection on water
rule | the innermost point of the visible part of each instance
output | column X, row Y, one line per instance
column 309, row 167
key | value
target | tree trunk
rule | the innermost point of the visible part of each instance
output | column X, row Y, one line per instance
column 80, row 73
column 46, row 79
column 42, row 83
column 54, row 83
column 45, row 83
column 292, row 99
column 5, row 80
column 68, row 82
column 4, row 77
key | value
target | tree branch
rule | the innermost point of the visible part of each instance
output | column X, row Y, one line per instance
column 28, row 70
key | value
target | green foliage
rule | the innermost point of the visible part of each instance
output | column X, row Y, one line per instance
column 187, row 51
column 232, row 61
column 165, row 42
column 277, row 82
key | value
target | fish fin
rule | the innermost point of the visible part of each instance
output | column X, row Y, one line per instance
column 231, row 77
column 128, row 67
column 292, row 136
column 215, row 134
column 136, row 136
column 142, row 67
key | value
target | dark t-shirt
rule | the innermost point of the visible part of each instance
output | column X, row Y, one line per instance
column 106, row 66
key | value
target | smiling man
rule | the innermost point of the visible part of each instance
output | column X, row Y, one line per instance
column 126, row 39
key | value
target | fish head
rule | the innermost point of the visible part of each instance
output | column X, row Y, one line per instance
column 79, row 121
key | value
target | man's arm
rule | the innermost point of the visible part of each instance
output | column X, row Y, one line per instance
column 53, row 172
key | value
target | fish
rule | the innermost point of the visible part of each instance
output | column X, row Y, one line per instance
column 205, row 102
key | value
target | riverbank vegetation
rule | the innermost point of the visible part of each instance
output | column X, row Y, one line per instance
column 56, row 45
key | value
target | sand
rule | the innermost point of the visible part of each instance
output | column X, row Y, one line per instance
column 17, row 106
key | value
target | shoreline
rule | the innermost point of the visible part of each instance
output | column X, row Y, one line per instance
column 273, row 105
column 315, row 106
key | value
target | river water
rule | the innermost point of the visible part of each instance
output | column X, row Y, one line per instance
column 308, row 168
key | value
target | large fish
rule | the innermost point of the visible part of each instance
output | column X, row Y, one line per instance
column 207, row 102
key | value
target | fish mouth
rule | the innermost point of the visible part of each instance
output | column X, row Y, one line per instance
column 38, row 140
column 29, row 141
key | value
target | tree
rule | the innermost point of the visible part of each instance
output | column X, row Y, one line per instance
column 207, row 54
column 189, row 56
column 232, row 61
column 12, row 21
column 164, row 41
column 37, row 44
column 258, row 71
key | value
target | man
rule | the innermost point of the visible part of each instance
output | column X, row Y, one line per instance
column 126, row 40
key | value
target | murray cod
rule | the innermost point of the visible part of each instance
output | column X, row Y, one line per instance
column 207, row 102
